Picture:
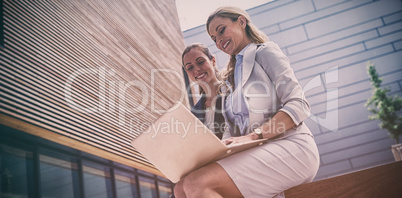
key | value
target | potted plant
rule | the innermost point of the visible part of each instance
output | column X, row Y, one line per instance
column 386, row 108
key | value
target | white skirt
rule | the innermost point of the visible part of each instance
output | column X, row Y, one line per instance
column 269, row 169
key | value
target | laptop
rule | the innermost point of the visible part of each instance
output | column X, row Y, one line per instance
column 178, row 143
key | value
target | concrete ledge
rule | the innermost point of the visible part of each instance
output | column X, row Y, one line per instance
column 380, row 181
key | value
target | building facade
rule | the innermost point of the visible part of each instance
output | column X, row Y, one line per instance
column 329, row 44
column 79, row 81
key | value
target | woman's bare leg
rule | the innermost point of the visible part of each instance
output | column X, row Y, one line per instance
column 178, row 189
column 208, row 181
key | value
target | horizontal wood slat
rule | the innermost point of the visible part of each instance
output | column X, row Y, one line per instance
column 120, row 59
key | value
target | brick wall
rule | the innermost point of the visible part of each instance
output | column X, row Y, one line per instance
column 329, row 44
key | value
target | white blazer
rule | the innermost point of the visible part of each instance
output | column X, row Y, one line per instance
column 269, row 85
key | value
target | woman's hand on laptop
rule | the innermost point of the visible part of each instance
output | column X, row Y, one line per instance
column 240, row 139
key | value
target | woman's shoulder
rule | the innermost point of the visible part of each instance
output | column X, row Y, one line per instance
column 268, row 51
column 270, row 47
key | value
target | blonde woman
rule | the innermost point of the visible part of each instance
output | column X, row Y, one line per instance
column 263, row 99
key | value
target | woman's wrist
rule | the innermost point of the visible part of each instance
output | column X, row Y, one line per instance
column 253, row 136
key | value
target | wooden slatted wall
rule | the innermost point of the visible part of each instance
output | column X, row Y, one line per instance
column 90, row 74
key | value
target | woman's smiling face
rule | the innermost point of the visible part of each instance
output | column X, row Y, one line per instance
column 199, row 67
column 229, row 36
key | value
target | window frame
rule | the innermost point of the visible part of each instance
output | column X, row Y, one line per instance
column 38, row 146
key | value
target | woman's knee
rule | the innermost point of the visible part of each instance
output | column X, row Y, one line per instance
column 196, row 182
column 178, row 190
column 191, row 183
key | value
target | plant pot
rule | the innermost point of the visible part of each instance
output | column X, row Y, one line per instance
column 397, row 151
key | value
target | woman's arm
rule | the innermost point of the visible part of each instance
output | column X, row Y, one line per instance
column 277, row 125
column 277, row 66
column 295, row 106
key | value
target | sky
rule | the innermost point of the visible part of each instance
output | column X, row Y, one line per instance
column 193, row 13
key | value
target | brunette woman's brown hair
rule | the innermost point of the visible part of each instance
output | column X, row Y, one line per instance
column 204, row 49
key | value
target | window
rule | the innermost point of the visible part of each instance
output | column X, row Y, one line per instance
column 147, row 187
column 59, row 178
column 165, row 189
column 97, row 181
column 16, row 168
column 126, row 185
column 34, row 167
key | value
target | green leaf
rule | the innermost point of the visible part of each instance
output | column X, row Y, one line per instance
column 384, row 107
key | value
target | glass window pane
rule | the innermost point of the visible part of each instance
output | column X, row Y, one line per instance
column 59, row 178
column 165, row 189
column 16, row 171
column 147, row 187
column 97, row 182
column 125, row 185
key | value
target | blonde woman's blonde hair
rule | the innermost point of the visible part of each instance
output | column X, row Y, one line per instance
column 252, row 32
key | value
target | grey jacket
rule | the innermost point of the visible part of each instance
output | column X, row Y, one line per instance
column 269, row 85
